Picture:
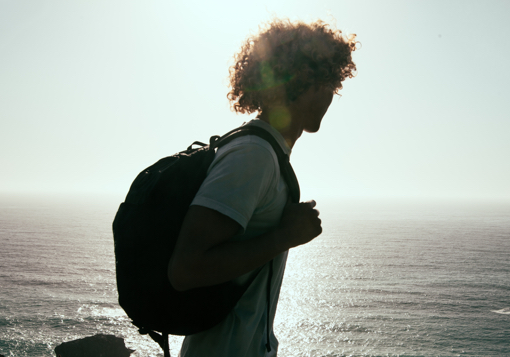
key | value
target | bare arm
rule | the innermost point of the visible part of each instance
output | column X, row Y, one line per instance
column 204, row 254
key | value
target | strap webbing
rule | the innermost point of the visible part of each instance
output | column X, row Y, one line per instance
column 161, row 340
column 290, row 178
column 268, row 296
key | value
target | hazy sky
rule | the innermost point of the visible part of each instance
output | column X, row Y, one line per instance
column 91, row 92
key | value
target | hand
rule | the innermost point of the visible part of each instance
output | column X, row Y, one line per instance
column 300, row 223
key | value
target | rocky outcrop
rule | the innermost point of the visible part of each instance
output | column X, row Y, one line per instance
column 97, row 346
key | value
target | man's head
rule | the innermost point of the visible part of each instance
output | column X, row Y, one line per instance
column 284, row 60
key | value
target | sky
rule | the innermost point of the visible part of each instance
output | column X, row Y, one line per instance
column 92, row 92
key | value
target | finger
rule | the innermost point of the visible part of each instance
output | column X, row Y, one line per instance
column 312, row 203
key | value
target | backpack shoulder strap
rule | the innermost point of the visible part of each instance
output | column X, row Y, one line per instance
column 286, row 171
column 283, row 159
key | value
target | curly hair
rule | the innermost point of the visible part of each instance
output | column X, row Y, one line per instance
column 287, row 58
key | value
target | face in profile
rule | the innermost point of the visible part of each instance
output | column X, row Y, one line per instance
column 312, row 106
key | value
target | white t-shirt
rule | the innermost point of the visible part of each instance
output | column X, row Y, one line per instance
column 244, row 183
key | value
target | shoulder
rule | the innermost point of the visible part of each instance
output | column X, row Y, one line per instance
column 239, row 178
column 247, row 151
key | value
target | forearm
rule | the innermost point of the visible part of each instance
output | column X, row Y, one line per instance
column 205, row 253
column 226, row 261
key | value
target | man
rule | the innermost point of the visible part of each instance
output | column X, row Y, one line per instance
column 241, row 220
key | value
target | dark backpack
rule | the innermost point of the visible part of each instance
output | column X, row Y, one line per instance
column 145, row 231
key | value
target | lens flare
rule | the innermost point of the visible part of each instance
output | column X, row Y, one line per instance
column 279, row 117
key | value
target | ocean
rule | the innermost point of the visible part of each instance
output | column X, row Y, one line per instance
column 384, row 279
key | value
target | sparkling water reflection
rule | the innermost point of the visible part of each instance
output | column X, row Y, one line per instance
column 382, row 280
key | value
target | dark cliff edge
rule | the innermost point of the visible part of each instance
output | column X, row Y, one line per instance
column 98, row 345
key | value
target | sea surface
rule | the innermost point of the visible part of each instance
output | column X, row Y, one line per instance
column 384, row 279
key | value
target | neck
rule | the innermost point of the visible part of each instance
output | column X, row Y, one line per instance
column 280, row 118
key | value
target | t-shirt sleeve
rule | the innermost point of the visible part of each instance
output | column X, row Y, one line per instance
column 237, row 181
